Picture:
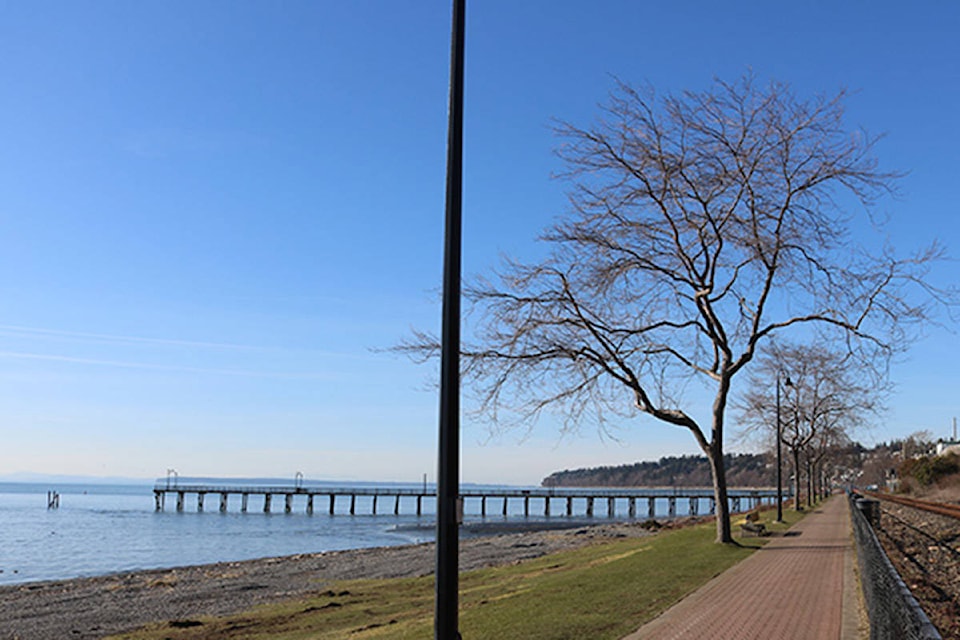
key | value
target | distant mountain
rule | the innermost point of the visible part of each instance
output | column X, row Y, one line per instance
column 53, row 478
column 743, row 470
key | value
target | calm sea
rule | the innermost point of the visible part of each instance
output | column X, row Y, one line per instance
column 101, row 529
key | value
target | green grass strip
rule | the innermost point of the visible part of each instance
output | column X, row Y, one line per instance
column 603, row 591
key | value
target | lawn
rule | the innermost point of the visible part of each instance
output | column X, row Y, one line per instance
column 604, row 591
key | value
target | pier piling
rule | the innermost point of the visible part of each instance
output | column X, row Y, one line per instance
column 571, row 496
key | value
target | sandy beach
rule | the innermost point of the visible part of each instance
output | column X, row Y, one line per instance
column 96, row 607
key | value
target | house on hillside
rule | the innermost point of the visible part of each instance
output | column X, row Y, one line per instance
column 948, row 446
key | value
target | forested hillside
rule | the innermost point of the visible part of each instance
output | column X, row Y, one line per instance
column 743, row 470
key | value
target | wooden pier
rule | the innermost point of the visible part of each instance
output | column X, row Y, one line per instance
column 548, row 502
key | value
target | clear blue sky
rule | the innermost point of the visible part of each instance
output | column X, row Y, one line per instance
column 213, row 211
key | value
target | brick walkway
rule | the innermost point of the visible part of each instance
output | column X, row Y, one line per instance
column 799, row 586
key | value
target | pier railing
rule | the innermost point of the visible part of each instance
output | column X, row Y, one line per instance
column 577, row 501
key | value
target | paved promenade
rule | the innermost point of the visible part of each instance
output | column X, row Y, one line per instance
column 799, row 586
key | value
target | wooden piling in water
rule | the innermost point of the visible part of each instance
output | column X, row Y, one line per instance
column 737, row 498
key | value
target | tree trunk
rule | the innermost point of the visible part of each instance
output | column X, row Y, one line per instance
column 796, row 479
column 817, row 485
column 715, row 456
column 809, row 482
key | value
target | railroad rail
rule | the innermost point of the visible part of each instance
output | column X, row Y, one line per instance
column 941, row 508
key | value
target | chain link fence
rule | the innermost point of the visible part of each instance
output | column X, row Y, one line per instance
column 894, row 613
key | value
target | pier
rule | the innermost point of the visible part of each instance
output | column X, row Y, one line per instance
column 610, row 502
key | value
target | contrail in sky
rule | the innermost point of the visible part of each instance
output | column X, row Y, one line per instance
column 161, row 367
column 13, row 329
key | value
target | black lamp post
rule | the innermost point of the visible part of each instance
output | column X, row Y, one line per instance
column 448, row 473
column 780, row 451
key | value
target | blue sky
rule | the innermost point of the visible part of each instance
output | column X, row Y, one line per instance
column 213, row 213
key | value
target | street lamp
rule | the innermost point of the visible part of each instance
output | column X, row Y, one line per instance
column 446, row 602
column 780, row 450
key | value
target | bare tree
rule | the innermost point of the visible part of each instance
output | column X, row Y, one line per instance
column 826, row 448
column 829, row 396
column 701, row 224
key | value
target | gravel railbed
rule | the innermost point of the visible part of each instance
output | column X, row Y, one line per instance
column 925, row 561
column 95, row 607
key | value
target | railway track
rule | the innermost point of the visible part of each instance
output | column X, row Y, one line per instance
column 922, row 540
column 940, row 508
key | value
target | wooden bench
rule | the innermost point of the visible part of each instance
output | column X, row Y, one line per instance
column 756, row 528
column 751, row 524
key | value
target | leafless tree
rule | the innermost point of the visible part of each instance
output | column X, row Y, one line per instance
column 826, row 449
column 828, row 397
column 701, row 224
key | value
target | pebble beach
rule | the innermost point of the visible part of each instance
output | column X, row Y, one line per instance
column 90, row 608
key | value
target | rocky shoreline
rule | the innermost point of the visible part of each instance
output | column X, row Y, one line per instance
column 95, row 607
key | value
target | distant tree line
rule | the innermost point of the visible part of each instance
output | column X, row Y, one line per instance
column 743, row 470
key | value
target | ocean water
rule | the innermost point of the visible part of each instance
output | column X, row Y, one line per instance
column 103, row 529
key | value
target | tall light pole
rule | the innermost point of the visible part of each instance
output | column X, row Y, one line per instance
column 780, row 450
column 448, row 473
